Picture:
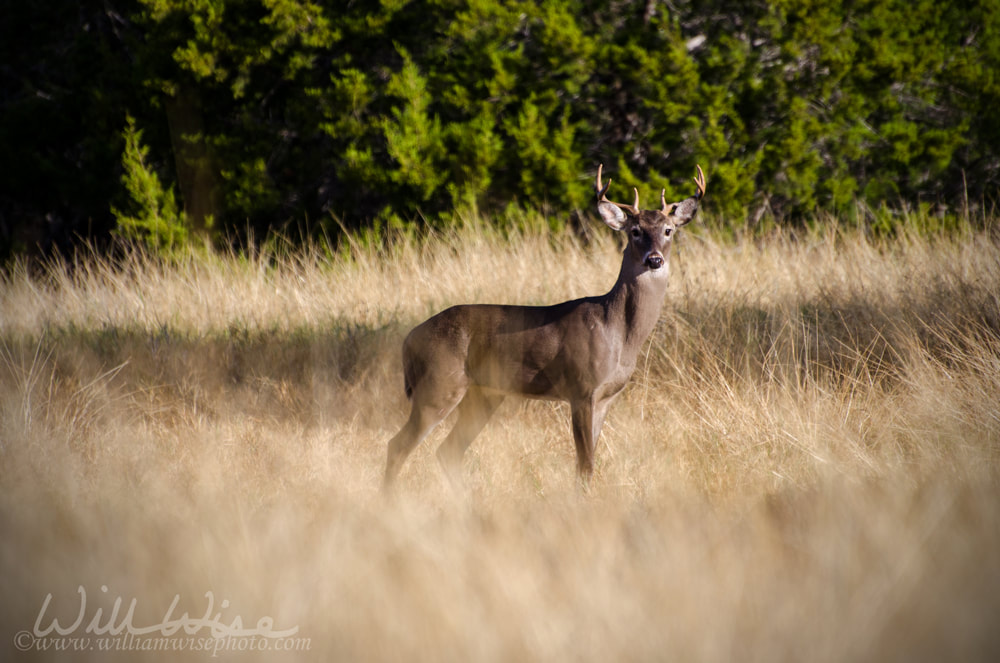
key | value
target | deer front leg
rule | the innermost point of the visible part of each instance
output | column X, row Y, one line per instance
column 588, row 418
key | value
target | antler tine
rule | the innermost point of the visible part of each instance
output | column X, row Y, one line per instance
column 699, row 181
column 601, row 190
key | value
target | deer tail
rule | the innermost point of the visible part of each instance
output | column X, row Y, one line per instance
column 412, row 370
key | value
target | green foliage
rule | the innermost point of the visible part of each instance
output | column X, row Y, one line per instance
column 414, row 139
column 379, row 112
column 156, row 219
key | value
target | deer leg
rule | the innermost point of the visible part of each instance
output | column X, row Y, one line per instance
column 588, row 418
column 424, row 416
column 473, row 413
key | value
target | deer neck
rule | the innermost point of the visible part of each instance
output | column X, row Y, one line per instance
column 634, row 303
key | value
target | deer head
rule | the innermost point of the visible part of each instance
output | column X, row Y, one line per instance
column 649, row 231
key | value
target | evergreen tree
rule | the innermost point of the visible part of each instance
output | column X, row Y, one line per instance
column 283, row 114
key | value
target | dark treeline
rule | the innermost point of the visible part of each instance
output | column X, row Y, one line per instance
column 301, row 116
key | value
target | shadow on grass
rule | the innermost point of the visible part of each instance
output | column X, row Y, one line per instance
column 305, row 374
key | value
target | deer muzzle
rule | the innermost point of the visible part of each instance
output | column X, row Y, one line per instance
column 654, row 260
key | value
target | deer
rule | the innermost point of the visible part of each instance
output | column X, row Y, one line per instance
column 470, row 357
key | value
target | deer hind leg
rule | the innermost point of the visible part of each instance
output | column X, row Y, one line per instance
column 473, row 412
column 432, row 402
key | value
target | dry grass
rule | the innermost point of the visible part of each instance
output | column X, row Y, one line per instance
column 804, row 467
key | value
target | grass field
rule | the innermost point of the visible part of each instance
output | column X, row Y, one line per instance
column 805, row 465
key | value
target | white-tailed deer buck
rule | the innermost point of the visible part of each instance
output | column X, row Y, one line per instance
column 582, row 351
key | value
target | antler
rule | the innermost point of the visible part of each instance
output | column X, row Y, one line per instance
column 632, row 209
column 699, row 181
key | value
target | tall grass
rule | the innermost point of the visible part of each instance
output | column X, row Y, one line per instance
column 804, row 467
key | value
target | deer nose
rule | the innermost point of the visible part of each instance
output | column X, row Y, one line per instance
column 654, row 261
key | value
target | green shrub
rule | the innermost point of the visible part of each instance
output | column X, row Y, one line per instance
column 155, row 218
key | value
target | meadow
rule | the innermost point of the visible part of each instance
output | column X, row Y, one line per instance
column 805, row 465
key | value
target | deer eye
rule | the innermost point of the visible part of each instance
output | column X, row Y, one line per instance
column 667, row 231
column 636, row 232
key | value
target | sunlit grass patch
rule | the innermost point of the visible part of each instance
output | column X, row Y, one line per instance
column 804, row 465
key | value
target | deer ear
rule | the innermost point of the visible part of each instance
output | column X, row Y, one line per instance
column 611, row 215
column 684, row 211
